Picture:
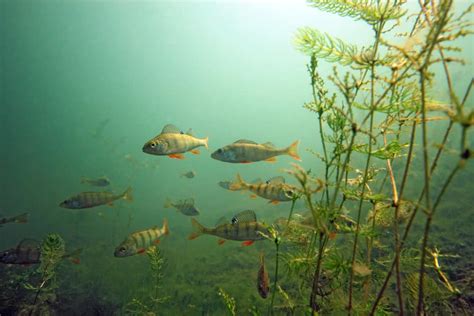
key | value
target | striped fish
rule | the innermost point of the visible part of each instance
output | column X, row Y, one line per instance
column 173, row 143
column 91, row 199
column 275, row 189
column 243, row 227
column 22, row 218
column 186, row 206
column 138, row 242
column 247, row 151
column 28, row 251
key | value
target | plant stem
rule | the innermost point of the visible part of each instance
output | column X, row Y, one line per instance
column 275, row 278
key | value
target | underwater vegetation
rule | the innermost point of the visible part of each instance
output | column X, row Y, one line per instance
column 360, row 233
column 383, row 97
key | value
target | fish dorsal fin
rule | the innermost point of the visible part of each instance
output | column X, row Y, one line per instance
column 170, row 129
column 190, row 132
column 245, row 141
column 276, row 180
column 244, row 217
column 269, row 145
column 28, row 243
column 222, row 220
column 257, row 181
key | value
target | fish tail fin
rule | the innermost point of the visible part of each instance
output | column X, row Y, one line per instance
column 167, row 203
column 127, row 195
column 22, row 218
column 239, row 183
column 206, row 142
column 199, row 229
column 292, row 150
column 166, row 229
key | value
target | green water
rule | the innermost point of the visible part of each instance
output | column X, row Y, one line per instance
column 85, row 84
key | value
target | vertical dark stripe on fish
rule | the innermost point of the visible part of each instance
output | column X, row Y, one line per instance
column 150, row 236
column 237, row 228
column 135, row 240
column 247, row 229
column 143, row 239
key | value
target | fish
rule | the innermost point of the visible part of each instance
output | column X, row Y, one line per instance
column 190, row 174
column 274, row 189
column 98, row 182
column 92, row 199
column 243, row 227
column 173, row 143
column 28, row 252
column 22, row 218
column 186, row 207
column 247, row 151
column 139, row 242
column 263, row 281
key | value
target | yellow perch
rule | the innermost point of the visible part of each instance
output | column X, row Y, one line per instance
column 173, row 143
column 247, row 151
column 91, row 199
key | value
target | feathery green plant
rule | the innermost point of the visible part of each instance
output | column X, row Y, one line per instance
column 229, row 301
column 380, row 102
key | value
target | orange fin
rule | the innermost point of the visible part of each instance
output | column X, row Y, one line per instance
column 274, row 202
column 141, row 251
column 248, row 242
column 332, row 235
column 253, row 196
column 220, row 242
column 245, row 161
column 271, row 159
column 156, row 242
column 195, row 151
column 176, row 156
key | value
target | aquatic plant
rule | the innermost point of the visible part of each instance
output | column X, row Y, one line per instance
column 150, row 304
column 229, row 301
column 385, row 93
column 53, row 250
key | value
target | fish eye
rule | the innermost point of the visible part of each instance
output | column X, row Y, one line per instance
column 219, row 150
column 290, row 193
column 122, row 249
column 152, row 144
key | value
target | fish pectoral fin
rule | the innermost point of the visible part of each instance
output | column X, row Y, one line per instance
column 220, row 242
column 253, row 196
column 274, row 202
column 111, row 204
column 245, row 161
column 195, row 151
column 248, row 242
column 141, row 251
column 271, row 159
column 176, row 156
column 156, row 242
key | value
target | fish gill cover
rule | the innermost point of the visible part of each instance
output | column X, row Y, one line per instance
column 356, row 114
